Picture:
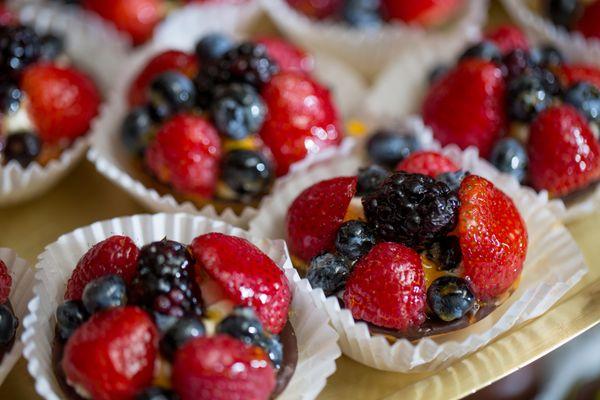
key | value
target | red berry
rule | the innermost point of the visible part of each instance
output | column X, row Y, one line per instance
column 222, row 368
column 186, row 154
column 112, row 355
column 116, row 255
column 63, row 101
column 508, row 38
column 588, row 23
column 315, row 216
column 5, row 282
column 7, row 17
column 421, row 12
column 387, row 287
column 492, row 235
column 247, row 275
column 137, row 18
column 563, row 154
column 428, row 163
column 570, row 74
column 288, row 57
column 170, row 60
column 302, row 119
column 466, row 106
column 318, row 9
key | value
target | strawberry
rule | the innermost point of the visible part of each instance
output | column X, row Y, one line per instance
column 5, row 282
column 508, row 38
column 302, row 119
column 137, row 18
column 492, row 236
column 387, row 287
column 573, row 73
column 588, row 23
column 287, row 56
column 421, row 12
column 563, row 154
column 116, row 255
column 319, row 9
column 315, row 216
column 428, row 163
column 466, row 106
column 112, row 355
column 222, row 368
column 246, row 274
column 186, row 154
column 63, row 101
column 170, row 60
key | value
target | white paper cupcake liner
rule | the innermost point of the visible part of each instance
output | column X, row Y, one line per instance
column 317, row 348
column 20, row 294
column 573, row 44
column 371, row 51
column 554, row 265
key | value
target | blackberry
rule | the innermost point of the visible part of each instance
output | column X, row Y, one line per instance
column 517, row 62
column 446, row 253
column 19, row 47
column 412, row 209
column 165, row 284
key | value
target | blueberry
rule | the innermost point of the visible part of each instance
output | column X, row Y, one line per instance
column 156, row 393
column 136, row 131
column 563, row 13
column 23, row 147
column 247, row 173
column 362, row 13
column 238, row 110
column 484, row 50
column 526, row 97
column 8, row 325
column 546, row 56
column 69, row 316
column 354, row 239
column 450, row 298
column 369, row 179
column 172, row 91
column 586, row 98
column 388, row 148
column 446, row 253
column 10, row 97
column 213, row 46
column 509, row 156
column 437, row 72
column 452, row 179
column 550, row 81
column 328, row 272
column 108, row 291
column 242, row 324
column 273, row 347
column 51, row 46
column 181, row 332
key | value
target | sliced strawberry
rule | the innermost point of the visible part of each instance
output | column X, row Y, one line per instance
column 428, row 163
column 315, row 216
column 222, row 368
column 421, row 12
column 302, row 119
column 5, row 282
column 466, row 106
column 573, row 73
column 137, row 18
column 588, row 23
column 387, row 287
column 508, row 38
column 170, row 60
column 320, row 9
column 288, row 57
column 112, row 355
column 116, row 255
column 186, row 154
column 63, row 101
column 563, row 154
column 247, row 275
column 492, row 235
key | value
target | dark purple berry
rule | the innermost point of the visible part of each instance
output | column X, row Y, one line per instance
column 510, row 157
column 369, row 179
column 247, row 174
column 23, row 147
column 242, row 324
column 103, row 293
column 180, row 333
column 8, row 325
column 484, row 50
column 527, row 96
column 19, row 47
column 237, row 110
column 328, row 272
column 387, row 147
column 354, row 239
column 450, row 298
column 69, row 317
column 212, row 46
column 563, row 13
column 446, row 253
column 156, row 393
column 173, row 92
column 136, row 131
column 585, row 97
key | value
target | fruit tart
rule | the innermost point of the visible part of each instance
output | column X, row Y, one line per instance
column 205, row 320
column 219, row 125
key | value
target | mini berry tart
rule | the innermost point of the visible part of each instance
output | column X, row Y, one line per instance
column 178, row 313
column 423, row 258
column 369, row 34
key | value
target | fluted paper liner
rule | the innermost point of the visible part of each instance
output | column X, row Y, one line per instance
column 554, row 265
column 317, row 348
column 20, row 294
column 94, row 50
column 180, row 31
column 371, row 50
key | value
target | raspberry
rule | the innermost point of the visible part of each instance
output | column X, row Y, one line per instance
column 5, row 282
column 428, row 163
column 508, row 38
